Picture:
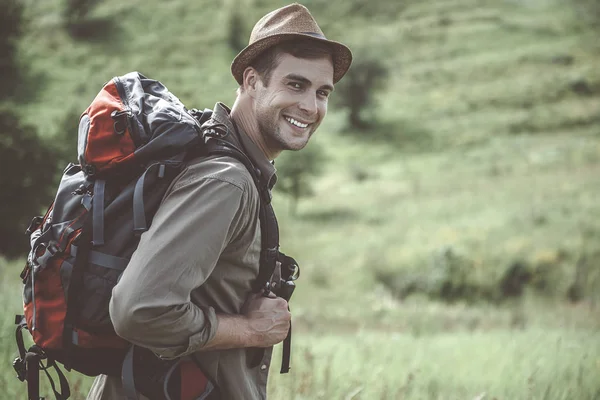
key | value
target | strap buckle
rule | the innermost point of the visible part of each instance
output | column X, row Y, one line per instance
column 286, row 289
column 20, row 368
column 43, row 252
column 270, row 255
column 201, row 116
column 290, row 270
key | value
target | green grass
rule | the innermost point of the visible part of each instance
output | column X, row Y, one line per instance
column 502, row 365
column 484, row 149
column 418, row 351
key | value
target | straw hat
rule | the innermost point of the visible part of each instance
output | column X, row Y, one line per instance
column 288, row 23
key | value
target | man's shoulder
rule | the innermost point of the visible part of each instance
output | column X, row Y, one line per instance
column 222, row 168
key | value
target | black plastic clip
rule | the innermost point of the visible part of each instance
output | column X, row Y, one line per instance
column 201, row 116
column 120, row 124
column 25, row 273
column 33, row 225
column 20, row 368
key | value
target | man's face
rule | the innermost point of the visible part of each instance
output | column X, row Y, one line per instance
column 292, row 105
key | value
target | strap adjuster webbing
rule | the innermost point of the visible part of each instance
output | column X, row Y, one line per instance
column 98, row 213
column 28, row 368
column 286, row 352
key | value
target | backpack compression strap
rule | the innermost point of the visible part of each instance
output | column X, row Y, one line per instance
column 29, row 363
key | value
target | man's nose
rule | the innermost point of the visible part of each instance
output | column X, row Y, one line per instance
column 309, row 104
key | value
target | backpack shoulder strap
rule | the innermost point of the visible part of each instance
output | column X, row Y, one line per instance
column 268, row 221
column 270, row 254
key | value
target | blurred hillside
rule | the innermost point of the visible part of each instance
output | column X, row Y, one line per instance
column 462, row 70
column 479, row 179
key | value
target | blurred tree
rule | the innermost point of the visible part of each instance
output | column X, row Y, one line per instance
column 236, row 29
column 78, row 10
column 355, row 92
column 27, row 180
column 11, row 26
column 295, row 171
column 65, row 138
column 77, row 21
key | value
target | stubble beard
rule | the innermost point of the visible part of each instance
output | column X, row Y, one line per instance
column 274, row 139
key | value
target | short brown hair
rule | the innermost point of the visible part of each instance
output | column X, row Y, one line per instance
column 268, row 60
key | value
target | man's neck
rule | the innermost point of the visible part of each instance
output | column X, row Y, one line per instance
column 249, row 125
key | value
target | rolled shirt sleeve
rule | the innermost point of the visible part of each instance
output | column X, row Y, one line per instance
column 151, row 304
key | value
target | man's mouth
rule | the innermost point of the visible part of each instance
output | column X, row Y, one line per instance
column 296, row 123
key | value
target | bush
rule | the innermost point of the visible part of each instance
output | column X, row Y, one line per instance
column 448, row 275
column 356, row 91
column 296, row 171
column 78, row 10
column 81, row 26
column 236, row 29
column 453, row 275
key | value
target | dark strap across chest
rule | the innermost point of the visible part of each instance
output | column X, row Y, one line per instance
column 270, row 256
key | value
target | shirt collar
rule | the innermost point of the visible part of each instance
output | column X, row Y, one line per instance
column 238, row 137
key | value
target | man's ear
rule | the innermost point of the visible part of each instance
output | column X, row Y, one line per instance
column 250, row 81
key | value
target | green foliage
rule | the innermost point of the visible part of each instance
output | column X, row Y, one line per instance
column 26, row 161
column 78, row 10
column 237, row 35
column 28, row 165
column 65, row 139
column 356, row 92
column 78, row 23
column 11, row 27
column 296, row 170
column 448, row 275
column 589, row 11
column 453, row 275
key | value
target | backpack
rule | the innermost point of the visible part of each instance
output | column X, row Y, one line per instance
column 133, row 140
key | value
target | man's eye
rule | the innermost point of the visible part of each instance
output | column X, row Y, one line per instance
column 323, row 93
column 295, row 85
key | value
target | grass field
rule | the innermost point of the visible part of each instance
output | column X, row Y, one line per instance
column 526, row 350
column 487, row 155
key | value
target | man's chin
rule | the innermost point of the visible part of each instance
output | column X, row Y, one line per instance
column 297, row 148
column 294, row 145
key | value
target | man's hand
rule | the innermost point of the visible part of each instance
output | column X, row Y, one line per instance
column 268, row 319
column 265, row 321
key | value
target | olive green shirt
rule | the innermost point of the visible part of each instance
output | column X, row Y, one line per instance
column 200, row 257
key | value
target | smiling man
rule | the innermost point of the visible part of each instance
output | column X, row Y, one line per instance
column 285, row 101
column 188, row 289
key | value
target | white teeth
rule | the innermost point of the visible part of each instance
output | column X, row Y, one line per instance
column 294, row 122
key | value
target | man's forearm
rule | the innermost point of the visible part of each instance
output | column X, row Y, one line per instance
column 233, row 331
column 266, row 321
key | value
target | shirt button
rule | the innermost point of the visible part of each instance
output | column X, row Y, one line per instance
column 263, row 367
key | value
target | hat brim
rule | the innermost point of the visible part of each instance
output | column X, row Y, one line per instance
column 342, row 56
